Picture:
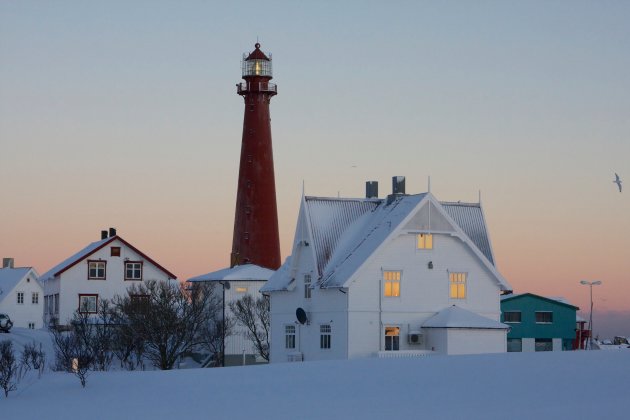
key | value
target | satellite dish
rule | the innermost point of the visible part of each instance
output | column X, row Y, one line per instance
column 301, row 316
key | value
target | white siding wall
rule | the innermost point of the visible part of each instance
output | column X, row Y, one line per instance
column 470, row 341
column 424, row 291
column 237, row 342
column 529, row 344
column 74, row 281
column 23, row 314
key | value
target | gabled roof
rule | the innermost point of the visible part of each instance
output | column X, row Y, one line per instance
column 345, row 232
column 456, row 317
column 246, row 272
column 91, row 249
column 10, row 277
column 469, row 217
column 556, row 300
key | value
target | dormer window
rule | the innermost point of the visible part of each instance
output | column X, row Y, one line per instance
column 96, row 270
column 424, row 241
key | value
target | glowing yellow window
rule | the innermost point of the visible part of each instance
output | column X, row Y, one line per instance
column 425, row 241
column 391, row 282
column 458, row 285
column 241, row 290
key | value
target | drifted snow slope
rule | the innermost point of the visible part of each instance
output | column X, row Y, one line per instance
column 563, row 385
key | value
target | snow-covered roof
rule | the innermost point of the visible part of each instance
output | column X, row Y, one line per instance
column 246, row 272
column 469, row 217
column 345, row 232
column 91, row 249
column 10, row 277
column 361, row 239
column 456, row 317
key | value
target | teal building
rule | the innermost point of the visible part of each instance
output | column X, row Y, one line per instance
column 538, row 323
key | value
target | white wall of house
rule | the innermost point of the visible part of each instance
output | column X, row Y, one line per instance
column 359, row 312
column 556, row 344
column 30, row 312
column 237, row 342
column 74, row 282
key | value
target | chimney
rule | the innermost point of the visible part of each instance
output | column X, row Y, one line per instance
column 103, row 234
column 398, row 185
column 7, row 263
column 371, row 189
column 112, row 232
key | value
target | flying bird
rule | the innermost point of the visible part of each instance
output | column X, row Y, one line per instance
column 618, row 181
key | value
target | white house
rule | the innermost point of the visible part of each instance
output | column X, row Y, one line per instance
column 99, row 271
column 237, row 282
column 21, row 295
column 405, row 275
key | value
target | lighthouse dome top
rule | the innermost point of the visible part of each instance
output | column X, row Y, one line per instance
column 257, row 63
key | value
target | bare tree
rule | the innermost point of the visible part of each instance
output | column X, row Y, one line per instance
column 32, row 358
column 167, row 319
column 215, row 329
column 8, row 368
column 254, row 316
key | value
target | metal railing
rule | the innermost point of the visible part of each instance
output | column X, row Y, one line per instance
column 256, row 87
column 403, row 354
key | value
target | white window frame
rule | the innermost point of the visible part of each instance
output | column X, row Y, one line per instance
column 424, row 241
column 136, row 268
column 20, row 298
column 89, row 309
column 325, row 337
column 97, row 266
column 389, row 280
column 395, row 344
column 290, row 332
column 307, row 286
column 35, row 298
column 457, row 282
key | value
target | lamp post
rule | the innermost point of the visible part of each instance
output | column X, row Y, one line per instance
column 590, row 321
column 226, row 285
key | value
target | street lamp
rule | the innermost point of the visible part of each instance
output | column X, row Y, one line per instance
column 226, row 285
column 590, row 322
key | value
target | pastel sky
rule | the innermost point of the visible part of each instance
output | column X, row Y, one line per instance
column 125, row 114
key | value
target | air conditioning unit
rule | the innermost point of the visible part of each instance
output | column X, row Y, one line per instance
column 415, row 337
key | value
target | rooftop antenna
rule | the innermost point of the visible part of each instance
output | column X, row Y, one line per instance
column 429, row 182
column 479, row 197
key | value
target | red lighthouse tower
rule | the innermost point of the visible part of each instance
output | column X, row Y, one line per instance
column 256, row 239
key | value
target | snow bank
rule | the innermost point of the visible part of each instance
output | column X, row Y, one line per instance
column 514, row 385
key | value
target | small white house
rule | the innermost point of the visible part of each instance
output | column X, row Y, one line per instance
column 406, row 275
column 21, row 295
column 101, row 270
column 237, row 282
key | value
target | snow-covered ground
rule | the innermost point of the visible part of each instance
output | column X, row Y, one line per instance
column 559, row 385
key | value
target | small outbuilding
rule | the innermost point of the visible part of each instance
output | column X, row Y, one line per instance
column 21, row 295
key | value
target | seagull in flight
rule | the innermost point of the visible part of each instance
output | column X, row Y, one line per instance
column 617, row 181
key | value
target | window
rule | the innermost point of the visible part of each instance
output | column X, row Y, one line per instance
column 87, row 304
column 544, row 317
column 31, row 325
column 514, row 344
column 35, row 298
column 96, row 270
column 289, row 338
column 324, row 336
column 133, row 270
column 458, row 285
column 391, row 283
column 56, row 303
column 20, row 298
column 543, row 344
column 115, row 251
column 425, row 241
column 392, row 338
column 513, row 316
column 139, row 303
column 307, row 286
column 241, row 289
column 46, row 304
